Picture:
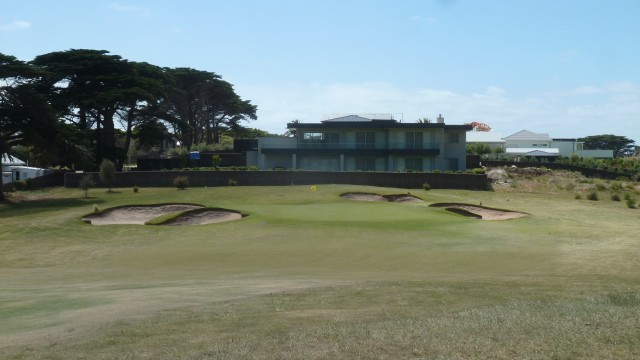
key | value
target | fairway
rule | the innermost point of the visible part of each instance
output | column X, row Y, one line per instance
column 308, row 274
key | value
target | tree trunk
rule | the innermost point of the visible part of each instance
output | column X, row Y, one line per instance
column 127, row 142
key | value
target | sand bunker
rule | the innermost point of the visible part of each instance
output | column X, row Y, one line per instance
column 204, row 216
column 480, row 212
column 376, row 197
column 141, row 214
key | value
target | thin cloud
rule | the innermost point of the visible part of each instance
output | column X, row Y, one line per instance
column 611, row 108
column 15, row 25
column 125, row 8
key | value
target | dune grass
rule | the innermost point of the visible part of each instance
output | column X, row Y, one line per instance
column 311, row 275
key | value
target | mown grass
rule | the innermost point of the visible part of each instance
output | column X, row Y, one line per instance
column 310, row 275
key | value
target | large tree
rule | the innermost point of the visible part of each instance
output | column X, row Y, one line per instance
column 97, row 90
column 621, row 145
column 25, row 115
column 200, row 105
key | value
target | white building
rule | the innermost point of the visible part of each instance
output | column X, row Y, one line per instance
column 527, row 143
column 14, row 169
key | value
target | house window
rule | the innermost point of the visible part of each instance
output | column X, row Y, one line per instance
column 413, row 164
column 17, row 175
column 534, row 145
column 320, row 140
column 365, row 140
column 453, row 138
column 414, row 140
column 365, row 164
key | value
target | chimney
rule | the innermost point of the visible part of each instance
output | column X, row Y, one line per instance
column 440, row 119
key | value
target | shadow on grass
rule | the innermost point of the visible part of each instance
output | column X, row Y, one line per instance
column 11, row 207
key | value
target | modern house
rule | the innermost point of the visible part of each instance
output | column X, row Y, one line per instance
column 366, row 142
column 527, row 143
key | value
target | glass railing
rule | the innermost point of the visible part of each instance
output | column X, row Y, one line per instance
column 364, row 146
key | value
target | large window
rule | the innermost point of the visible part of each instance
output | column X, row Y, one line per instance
column 454, row 138
column 365, row 140
column 413, row 164
column 320, row 140
column 365, row 164
column 414, row 140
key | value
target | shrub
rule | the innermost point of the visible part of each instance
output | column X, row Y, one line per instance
column 616, row 186
column 181, row 182
column 601, row 187
column 593, row 196
column 631, row 203
column 570, row 186
column 615, row 197
column 577, row 196
column 86, row 182
column 216, row 160
column 477, row 171
column 426, row 186
column 136, row 189
column 627, row 196
column 233, row 182
column 107, row 172
column 20, row 185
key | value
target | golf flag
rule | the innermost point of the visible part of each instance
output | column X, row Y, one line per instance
column 314, row 188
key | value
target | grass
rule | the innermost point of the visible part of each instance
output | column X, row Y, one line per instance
column 310, row 275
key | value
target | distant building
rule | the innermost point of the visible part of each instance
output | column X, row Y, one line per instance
column 492, row 139
column 527, row 143
column 366, row 142
column 14, row 169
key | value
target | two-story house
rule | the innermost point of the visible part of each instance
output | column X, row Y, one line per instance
column 375, row 142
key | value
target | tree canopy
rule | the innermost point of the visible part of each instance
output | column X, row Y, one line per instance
column 81, row 106
column 26, row 117
column 621, row 145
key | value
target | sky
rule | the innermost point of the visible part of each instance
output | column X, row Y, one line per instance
column 569, row 68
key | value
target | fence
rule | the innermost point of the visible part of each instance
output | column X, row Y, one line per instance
column 280, row 178
column 49, row 180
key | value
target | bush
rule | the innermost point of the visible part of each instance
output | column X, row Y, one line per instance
column 577, row 197
column 216, row 160
column 601, row 187
column 593, row 196
column 20, row 185
column 233, row 182
column 136, row 189
column 426, row 186
column 615, row 197
column 107, row 172
column 181, row 182
column 570, row 186
column 631, row 203
column 476, row 171
column 86, row 182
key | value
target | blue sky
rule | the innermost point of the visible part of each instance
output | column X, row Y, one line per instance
column 567, row 68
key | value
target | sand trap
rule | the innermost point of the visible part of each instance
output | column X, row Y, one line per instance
column 480, row 212
column 141, row 214
column 203, row 217
column 376, row 197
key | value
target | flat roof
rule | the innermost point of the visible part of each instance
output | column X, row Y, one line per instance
column 375, row 125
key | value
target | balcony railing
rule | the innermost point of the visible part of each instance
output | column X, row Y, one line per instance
column 365, row 146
